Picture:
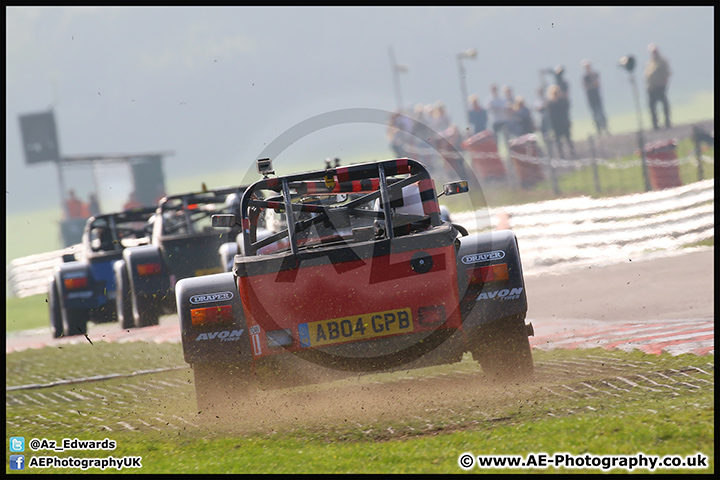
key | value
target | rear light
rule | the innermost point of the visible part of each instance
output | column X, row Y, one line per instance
column 211, row 316
column 431, row 315
column 145, row 269
column 75, row 283
column 489, row 273
column 279, row 338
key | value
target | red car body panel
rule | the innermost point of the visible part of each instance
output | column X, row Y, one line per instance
column 351, row 290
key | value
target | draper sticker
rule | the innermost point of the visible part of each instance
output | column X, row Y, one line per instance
column 211, row 297
column 483, row 257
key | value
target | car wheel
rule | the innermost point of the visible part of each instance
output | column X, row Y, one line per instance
column 56, row 320
column 123, row 303
column 503, row 349
column 75, row 321
column 219, row 386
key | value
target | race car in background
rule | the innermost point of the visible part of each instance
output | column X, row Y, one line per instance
column 183, row 244
column 363, row 275
column 84, row 289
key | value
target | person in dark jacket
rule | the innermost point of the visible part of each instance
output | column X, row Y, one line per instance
column 522, row 117
column 477, row 115
column 591, row 83
column 559, row 114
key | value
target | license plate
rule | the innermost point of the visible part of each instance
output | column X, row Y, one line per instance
column 207, row 271
column 356, row 327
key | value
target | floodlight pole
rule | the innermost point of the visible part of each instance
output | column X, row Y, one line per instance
column 641, row 136
column 468, row 54
column 396, row 69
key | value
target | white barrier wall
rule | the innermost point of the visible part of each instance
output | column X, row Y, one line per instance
column 559, row 234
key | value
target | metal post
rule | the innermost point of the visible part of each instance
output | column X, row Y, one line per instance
column 553, row 176
column 396, row 69
column 547, row 140
column 641, row 139
column 95, row 183
column 471, row 54
column 593, row 164
column 61, row 183
column 698, row 151
column 463, row 89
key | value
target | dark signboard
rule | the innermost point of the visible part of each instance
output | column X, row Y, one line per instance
column 39, row 137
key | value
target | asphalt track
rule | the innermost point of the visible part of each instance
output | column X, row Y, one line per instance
column 664, row 304
column 658, row 305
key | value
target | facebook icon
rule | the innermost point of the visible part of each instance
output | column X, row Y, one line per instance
column 17, row 462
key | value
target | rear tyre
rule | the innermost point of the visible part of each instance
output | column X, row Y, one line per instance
column 56, row 320
column 75, row 321
column 146, row 310
column 219, row 386
column 503, row 349
column 123, row 303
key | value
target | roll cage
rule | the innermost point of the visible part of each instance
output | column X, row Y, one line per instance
column 184, row 213
column 113, row 231
column 341, row 203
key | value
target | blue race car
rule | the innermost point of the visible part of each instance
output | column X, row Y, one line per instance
column 83, row 289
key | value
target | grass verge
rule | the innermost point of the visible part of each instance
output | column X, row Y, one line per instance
column 577, row 403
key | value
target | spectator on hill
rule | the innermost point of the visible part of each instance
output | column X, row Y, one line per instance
column 541, row 109
column 477, row 115
column 497, row 108
column 510, row 127
column 560, row 81
column 657, row 77
column 73, row 205
column 559, row 114
column 522, row 118
column 591, row 83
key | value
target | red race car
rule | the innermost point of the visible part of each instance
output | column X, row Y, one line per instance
column 353, row 269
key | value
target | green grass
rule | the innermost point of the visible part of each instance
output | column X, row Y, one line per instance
column 521, row 421
column 26, row 313
column 31, row 233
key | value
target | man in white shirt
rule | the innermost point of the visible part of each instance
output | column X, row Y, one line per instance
column 497, row 107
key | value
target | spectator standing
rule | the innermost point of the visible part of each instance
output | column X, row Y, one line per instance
column 657, row 77
column 560, row 81
column 559, row 114
column 591, row 84
column 440, row 120
column 522, row 118
column 477, row 115
column 497, row 108
column 510, row 127
column 73, row 205
column 541, row 109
